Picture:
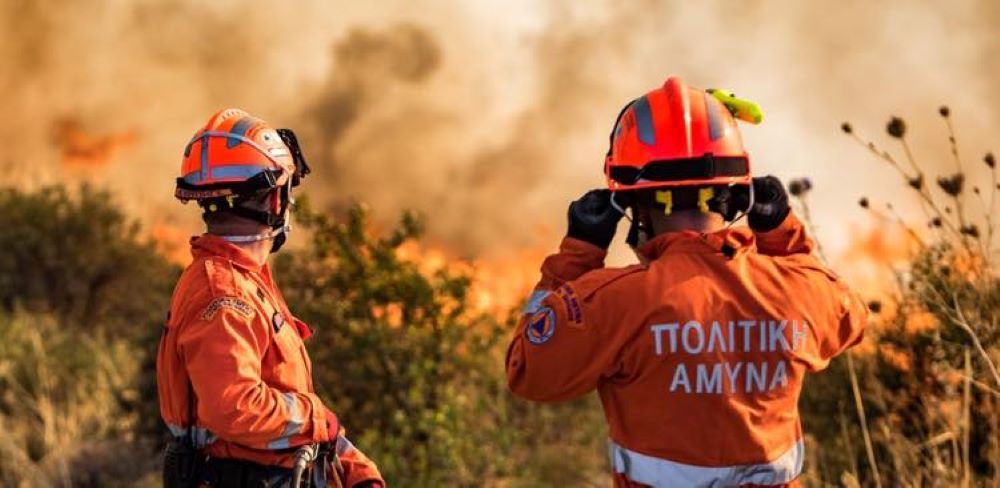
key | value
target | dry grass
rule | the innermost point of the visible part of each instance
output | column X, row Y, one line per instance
column 62, row 421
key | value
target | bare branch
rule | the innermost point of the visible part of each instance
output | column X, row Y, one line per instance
column 964, row 324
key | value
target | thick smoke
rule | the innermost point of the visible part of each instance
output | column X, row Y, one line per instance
column 486, row 118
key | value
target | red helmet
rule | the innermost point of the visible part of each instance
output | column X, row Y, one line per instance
column 675, row 136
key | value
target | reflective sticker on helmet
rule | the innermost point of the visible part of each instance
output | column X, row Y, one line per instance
column 541, row 326
column 242, row 171
column 240, row 128
column 204, row 157
column 232, row 303
column 644, row 121
column 715, row 128
column 277, row 152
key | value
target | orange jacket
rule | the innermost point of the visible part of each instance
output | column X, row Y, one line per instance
column 231, row 338
column 698, row 357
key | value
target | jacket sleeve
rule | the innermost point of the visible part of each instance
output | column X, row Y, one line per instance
column 564, row 342
column 222, row 349
column 839, row 316
column 359, row 470
column 848, row 327
column 786, row 239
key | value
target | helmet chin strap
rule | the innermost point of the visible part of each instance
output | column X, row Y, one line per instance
column 278, row 234
column 263, row 236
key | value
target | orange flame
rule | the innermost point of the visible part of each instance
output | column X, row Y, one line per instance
column 81, row 149
column 498, row 283
column 171, row 242
column 501, row 284
column 872, row 259
column 896, row 357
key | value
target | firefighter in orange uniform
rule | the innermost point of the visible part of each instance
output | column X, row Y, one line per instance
column 234, row 377
column 699, row 353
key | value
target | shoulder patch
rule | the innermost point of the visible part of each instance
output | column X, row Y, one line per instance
column 541, row 326
column 232, row 303
column 574, row 313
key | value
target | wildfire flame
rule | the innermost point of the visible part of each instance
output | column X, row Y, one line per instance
column 171, row 242
column 871, row 260
column 498, row 283
column 82, row 149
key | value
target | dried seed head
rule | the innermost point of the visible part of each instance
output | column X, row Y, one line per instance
column 952, row 185
column 936, row 222
column 990, row 160
column 896, row 127
column 970, row 230
column 799, row 186
column 864, row 202
column 917, row 182
column 846, row 127
column 944, row 111
column 875, row 306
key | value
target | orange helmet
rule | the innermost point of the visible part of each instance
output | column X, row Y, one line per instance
column 675, row 136
column 236, row 153
column 236, row 157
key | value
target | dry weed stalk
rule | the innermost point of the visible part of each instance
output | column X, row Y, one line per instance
column 927, row 396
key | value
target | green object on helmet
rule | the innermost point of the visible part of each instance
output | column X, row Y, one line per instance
column 742, row 109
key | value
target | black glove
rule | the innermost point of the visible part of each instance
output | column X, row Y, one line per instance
column 770, row 205
column 592, row 218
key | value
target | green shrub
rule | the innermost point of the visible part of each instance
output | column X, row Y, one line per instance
column 81, row 260
column 415, row 373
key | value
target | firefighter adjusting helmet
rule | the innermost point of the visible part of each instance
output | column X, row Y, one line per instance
column 675, row 136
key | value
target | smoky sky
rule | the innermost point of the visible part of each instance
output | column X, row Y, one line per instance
column 488, row 117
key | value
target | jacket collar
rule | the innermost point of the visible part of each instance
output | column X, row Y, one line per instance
column 729, row 241
column 209, row 245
